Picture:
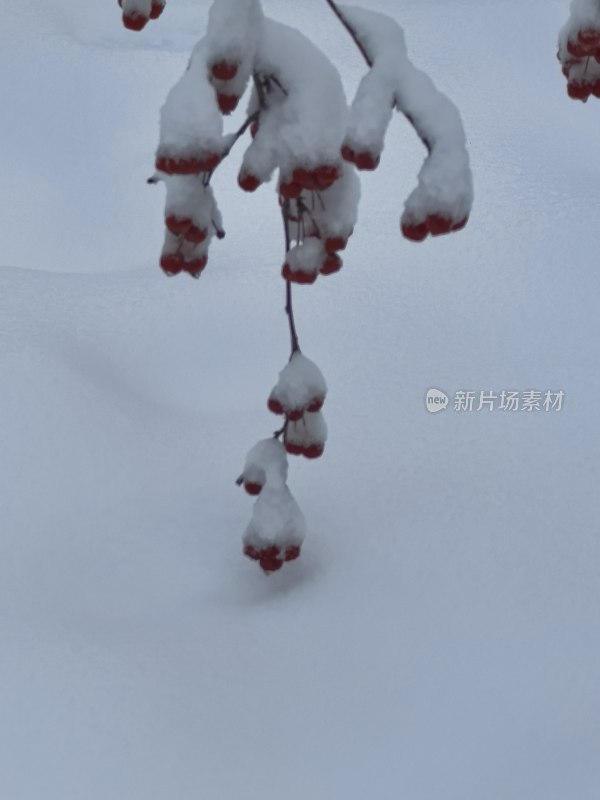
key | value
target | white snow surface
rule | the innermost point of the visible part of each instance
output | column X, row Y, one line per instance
column 439, row 637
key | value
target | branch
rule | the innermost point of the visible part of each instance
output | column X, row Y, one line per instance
column 336, row 10
column 289, row 308
column 365, row 54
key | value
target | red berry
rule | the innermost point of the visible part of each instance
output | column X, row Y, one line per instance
column 178, row 225
column 227, row 102
column 172, row 263
column 297, row 276
column 333, row 263
column 293, row 449
column 589, row 38
column 304, row 178
column 253, row 488
column 458, row 226
column 313, row 451
column 254, row 129
column 134, row 21
column 275, row 406
column 366, row 161
column 290, row 190
column 158, row 6
column 194, row 234
column 315, row 405
column 195, row 266
column 335, row 243
column 252, row 552
column 416, row 232
column 294, row 414
column 224, row 70
column 187, row 166
column 438, row 225
column 269, row 564
column 348, row 154
column 270, row 560
column 326, row 175
column 291, row 552
column 576, row 49
column 579, row 91
column 248, row 182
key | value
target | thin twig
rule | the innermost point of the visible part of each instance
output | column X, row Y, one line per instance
column 289, row 307
column 334, row 7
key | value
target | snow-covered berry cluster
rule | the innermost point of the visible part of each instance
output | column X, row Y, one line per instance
column 579, row 50
column 137, row 13
column 304, row 132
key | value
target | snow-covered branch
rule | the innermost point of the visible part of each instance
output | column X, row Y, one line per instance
column 443, row 198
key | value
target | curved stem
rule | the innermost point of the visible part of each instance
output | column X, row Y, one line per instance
column 336, row 10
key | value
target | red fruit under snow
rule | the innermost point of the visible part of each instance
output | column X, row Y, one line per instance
column 348, row 154
column 579, row 91
column 252, row 552
column 416, row 232
column 275, row 406
column 195, row 266
column 248, row 182
column 227, row 102
column 291, row 190
column 326, row 175
column 366, row 161
column 292, row 448
column 313, row 451
column 224, row 70
column 134, row 21
column 254, row 129
column 187, row 166
column 315, row 405
column 172, row 263
column 253, row 488
column 304, row 178
column 335, row 243
column 270, row 560
column 333, row 263
column 576, row 49
column 195, row 235
column 297, row 276
column 589, row 38
column 292, row 552
column 178, row 225
column 294, row 414
column 158, row 6
column 458, row 226
column 270, row 564
column 438, row 225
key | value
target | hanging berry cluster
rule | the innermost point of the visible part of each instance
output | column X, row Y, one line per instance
column 579, row 50
column 301, row 128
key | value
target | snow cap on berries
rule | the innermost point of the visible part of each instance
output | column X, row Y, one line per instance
column 301, row 386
